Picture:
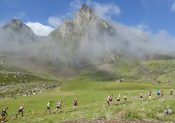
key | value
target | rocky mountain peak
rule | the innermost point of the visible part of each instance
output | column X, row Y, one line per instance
column 84, row 19
column 17, row 31
column 85, row 12
column 17, row 25
column 85, row 9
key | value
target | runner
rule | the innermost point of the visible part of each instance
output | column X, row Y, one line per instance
column 124, row 98
column 150, row 95
column 4, row 115
column 48, row 107
column 21, row 110
column 158, row 93
column 109, row 100
column 171, row 92
column 141, row 97
column 118, row 99
column 75, row 104
column 58, row 106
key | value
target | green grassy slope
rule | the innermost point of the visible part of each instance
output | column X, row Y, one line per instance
column 92, row 103
column 92, row 87
column 133, row 71
column 12, row 74
column 17, row 81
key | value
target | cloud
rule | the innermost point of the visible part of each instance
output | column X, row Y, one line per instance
column 173, row 7
column 143, row 26
column 40, row 29
column 160, row 41
column 105, row 10
column 163, row 40
column 55, row 21
column 76, row 4
column 1, row 24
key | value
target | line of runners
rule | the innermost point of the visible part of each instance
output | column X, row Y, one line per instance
column 4, row 113
column 59, row 105
column 159, row 94
column 109, row 100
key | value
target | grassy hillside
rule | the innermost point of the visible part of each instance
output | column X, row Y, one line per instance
column 92, row 87
column 17, row 81
column 12, row 74
column 156, row 71
column 92, row 103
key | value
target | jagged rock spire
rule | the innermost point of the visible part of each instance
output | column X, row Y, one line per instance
column 16, row 23
column 85, row 12
column 83, row 19
column 85, row 9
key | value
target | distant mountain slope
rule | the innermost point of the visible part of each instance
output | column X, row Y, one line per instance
column 17, row 26
column 16, row 31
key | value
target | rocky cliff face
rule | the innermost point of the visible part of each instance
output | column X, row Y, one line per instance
column 86, row 36
column 85, row 14
column 84, row 20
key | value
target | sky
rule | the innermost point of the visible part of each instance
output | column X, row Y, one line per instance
column 43, row 16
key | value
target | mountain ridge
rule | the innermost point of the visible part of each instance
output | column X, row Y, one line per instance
column 86, row 39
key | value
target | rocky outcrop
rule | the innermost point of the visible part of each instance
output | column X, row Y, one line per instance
column 25, row 89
